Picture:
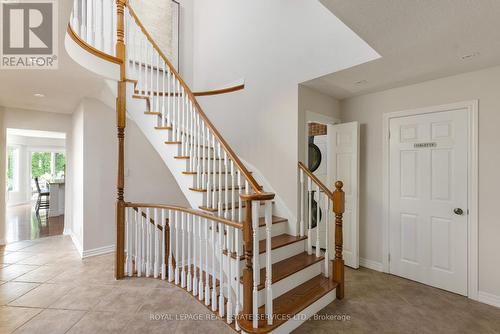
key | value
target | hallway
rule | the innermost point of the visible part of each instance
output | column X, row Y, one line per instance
column 24, row 224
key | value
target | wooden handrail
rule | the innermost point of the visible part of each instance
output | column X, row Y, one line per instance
column 220, row 91
column 316, row 180
column 248, row 176
column 201, row 214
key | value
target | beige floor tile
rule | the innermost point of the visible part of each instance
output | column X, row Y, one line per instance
column 82, row 298
column 143, row 323
column 39, row 275
column 14, row 317
column 18, row 245
column 42, row 296
column 122, row 299
column 14, row 257
column 101, row 322
column 15, row 270
column 51, row 321
column 12, row 290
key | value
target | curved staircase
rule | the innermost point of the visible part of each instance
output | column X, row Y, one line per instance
column 232, row 249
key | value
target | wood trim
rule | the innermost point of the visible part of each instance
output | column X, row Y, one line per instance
column 316, row 180
column 89, row 48
column 253, row 183
column 220, row 91
column 231, row 223
column 202, row 93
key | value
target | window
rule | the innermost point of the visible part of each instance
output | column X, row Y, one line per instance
column 48, row 165
column 12, row 169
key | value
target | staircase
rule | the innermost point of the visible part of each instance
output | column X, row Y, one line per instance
column 232, row 249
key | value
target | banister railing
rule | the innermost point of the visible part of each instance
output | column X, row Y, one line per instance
column 184, row 88
column 314, row 195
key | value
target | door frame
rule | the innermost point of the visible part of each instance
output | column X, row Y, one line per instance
column 472, row 185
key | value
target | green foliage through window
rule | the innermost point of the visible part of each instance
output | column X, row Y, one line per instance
column 40, row 164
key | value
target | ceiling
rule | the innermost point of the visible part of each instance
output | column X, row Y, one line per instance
column 418, row 40
column 63, row 88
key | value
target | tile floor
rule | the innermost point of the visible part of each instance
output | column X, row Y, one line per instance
column 45, row 288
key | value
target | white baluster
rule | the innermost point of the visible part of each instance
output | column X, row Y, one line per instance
column 207, row 252
column 140, row 264
column 301, row 193
column 214, row 275
column 221, row 270
column 75, row 24
column 101, row 26
column 171, row 246
column 148, row 243
column 137, row 257
column 164, row 97
column 269, row 272
column 156, row 268
column 189, row 272
column 232, row 190
column 226, row 185
column 220, row 203
column 196, row 240
column 240, row 191
column 112, row 30
column 83, row 29
column 309, row 217
column 209, row 178
column 169, row 97
column 163, row 241
column 214, row 175
column 229, row 266
column 177, row 262
column 183, row 246
column 318, row 204
column 200, row 267
column 127, row 243
column 256, row 264
column 327, row 236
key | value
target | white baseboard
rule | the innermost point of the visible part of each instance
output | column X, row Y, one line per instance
column 77, row 244
column 98, row 251
column 370, row 264
column 488, row 298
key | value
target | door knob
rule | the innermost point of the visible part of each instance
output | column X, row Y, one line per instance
column 458, row 211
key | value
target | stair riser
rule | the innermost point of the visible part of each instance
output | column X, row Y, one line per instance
column 187, row 167
column 219, row 181
column 231, row 197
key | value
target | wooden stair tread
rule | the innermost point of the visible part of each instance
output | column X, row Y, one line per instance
column 291, row 303
column 276, row 220
column 278, row 241
column 288, row 267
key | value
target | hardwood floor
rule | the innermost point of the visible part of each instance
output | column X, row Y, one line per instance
column 24, row 224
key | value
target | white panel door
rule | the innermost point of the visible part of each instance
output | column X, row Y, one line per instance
column 343, row 165
column 428, row 191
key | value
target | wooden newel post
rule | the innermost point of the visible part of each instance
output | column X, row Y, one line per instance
column 248, row 269
column 338, row 262
column 120, row 124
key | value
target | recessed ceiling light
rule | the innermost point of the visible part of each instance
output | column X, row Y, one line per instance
column 470, row 55
column 361, row 82
column 39, row 95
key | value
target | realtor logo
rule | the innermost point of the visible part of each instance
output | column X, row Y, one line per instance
column 29, row 34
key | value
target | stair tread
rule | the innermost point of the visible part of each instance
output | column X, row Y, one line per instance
column 292, row 302
column 276, row 220
column 278, row 241
column 288, row 267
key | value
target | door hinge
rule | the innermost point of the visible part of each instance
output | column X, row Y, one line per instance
column 389, row 134
column 389, row 257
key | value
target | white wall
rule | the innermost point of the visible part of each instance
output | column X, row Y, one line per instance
column 95, row 167
column 31, row 120
column 274, row 45
column 368, row 109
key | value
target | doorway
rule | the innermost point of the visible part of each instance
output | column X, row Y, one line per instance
column 430, row 186
column 36, row 167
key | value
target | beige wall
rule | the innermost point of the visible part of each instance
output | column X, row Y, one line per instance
column 313, row 101
column 368, row 109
